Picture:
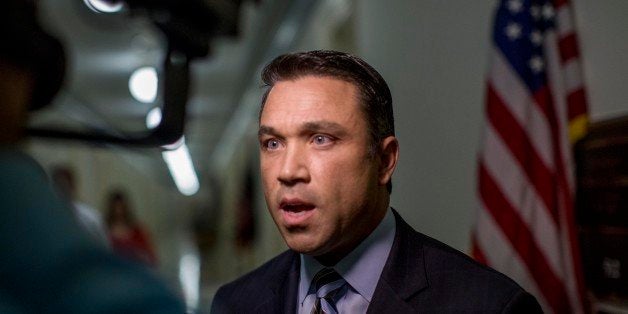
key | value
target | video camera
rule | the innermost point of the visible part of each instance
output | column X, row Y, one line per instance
column 188, row 26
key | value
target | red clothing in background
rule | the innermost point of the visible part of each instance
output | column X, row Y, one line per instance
column 135, row 245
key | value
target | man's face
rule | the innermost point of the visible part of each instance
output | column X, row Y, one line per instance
column 321, row 185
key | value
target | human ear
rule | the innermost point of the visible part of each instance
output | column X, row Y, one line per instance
column 389, row 154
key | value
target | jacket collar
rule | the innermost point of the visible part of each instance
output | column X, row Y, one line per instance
column 282, row 293
column 403, row 277
column 404, row 274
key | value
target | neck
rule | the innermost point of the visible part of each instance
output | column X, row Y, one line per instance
column 332, row 258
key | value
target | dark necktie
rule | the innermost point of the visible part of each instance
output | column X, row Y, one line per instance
column 327, row 283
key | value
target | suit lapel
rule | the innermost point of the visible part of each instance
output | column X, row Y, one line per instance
column 283, row 291
column 403, row 275
column 290, row 288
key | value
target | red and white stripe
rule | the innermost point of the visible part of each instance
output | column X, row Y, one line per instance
column 525, row 224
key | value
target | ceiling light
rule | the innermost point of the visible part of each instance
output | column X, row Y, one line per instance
column 104, row 6
column 176, row 144
column 182, row 170
column 153, row 118
column 143, row 84
column 189, row 276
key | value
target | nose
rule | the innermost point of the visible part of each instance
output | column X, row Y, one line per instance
column 294, row 168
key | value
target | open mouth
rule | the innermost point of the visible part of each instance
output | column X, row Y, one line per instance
column 295, row 212
column 297, row 208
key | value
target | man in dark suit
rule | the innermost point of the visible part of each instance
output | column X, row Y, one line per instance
column 328, row 152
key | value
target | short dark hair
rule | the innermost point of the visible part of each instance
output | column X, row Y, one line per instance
column 374, row 93
column 118, row 195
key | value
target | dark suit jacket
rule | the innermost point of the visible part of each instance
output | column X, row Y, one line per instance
column 421, row 275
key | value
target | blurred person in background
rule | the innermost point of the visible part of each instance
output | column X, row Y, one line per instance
column 49, row 265
column 89, row 218
column 127, row 236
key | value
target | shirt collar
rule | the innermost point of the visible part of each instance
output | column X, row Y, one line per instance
column 362, row 267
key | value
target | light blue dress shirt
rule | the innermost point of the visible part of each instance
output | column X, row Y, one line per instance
column 361, row 269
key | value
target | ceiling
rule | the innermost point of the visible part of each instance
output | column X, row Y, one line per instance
column 104, row 49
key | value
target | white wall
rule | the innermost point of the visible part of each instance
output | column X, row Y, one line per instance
column 433, row 54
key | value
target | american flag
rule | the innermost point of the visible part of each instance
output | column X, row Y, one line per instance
column 535, row 110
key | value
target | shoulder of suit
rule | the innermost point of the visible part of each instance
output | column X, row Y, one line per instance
column 445, row 264
column 452, row 273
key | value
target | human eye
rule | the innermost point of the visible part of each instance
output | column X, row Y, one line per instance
column 322, row 140
column 270, row 144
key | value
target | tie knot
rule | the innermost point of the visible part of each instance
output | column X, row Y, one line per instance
column 325, row 277
column 328, row 284
column 326, row 281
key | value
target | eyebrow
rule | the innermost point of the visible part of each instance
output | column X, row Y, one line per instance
column 324, row 126
column 310, row 127
column 265, row 130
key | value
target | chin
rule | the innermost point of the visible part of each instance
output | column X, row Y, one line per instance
column 302, row 246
